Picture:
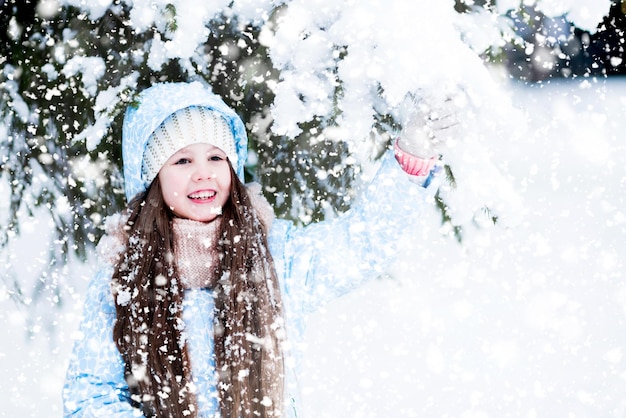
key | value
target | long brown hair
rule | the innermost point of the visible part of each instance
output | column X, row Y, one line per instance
column 248, row 329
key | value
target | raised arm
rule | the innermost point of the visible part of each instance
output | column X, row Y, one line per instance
column 328, row 259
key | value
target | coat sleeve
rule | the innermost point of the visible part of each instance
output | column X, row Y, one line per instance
column 326, row 260
column 95, row 384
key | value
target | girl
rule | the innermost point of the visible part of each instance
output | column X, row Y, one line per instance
column 200, row 286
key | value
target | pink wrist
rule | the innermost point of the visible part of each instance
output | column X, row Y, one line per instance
column 411, row 164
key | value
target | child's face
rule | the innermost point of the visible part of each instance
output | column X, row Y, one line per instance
column 195, row 182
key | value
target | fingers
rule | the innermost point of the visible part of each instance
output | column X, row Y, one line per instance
column 433, row 121
column 440, row 122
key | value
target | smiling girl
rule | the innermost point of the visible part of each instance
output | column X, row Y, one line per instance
column 201, row 296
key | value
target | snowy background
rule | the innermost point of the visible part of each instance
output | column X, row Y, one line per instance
column 525, row 322
column 520, row 322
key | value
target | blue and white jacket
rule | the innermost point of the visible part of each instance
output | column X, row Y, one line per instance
column 314, row 265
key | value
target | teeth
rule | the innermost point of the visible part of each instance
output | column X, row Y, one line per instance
column 202, row 195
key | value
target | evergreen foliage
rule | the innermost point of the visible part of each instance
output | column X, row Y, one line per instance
column 66, row 79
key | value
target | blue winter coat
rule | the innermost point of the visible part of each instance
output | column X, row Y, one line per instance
column 314, row 265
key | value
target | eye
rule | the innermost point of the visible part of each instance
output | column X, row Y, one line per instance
column 216, row 157
column 182, row 160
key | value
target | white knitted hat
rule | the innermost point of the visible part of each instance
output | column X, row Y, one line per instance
column 187, row 126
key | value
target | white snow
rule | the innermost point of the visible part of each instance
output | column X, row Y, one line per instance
column 585, row 14
column 517, row 322
column 90, row 68
column 523, row 319
column 95, row 9
column 520, row 322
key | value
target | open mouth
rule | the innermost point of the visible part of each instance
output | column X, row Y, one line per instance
column 204, row 195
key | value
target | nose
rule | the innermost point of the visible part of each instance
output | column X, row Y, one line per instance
column 203, row 171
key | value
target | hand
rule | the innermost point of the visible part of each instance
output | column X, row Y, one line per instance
column 433, row 125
